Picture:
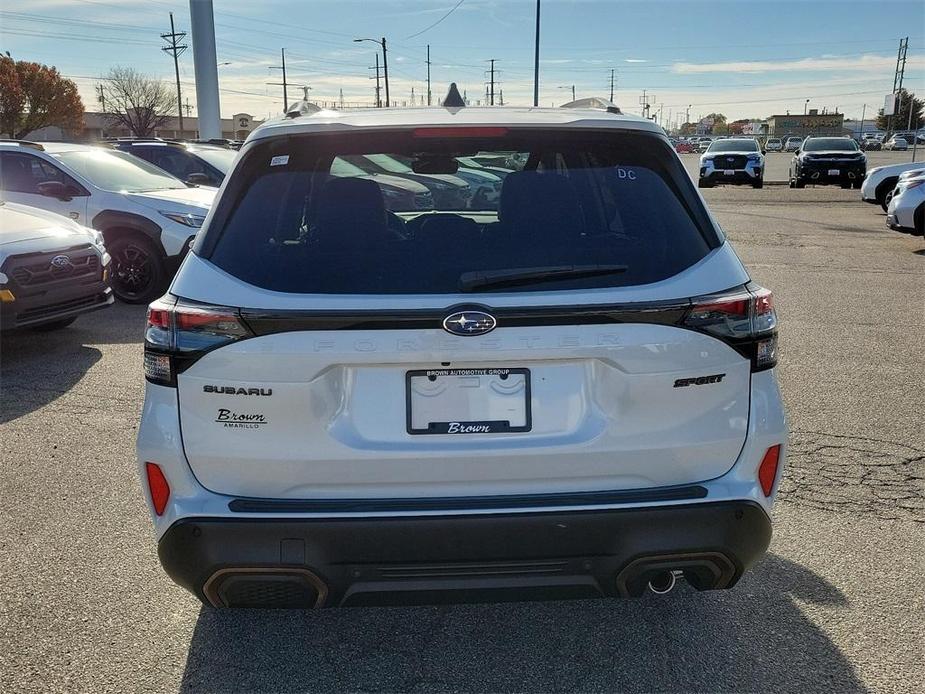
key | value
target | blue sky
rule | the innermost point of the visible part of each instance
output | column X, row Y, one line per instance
column 728, row 57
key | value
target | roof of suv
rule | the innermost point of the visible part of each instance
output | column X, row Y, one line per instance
column 506, row 116
column 50, row 147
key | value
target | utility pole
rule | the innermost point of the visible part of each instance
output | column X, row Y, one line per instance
column 101, row 96
column 898, row 75
column 176, row 49
column 378, row 99
column 428, row 74
column 644, row 102
column 536, row 59
column 491, row 94
column 385, row 72
column 611, row 84
column 861, row 131
column 687, row 115
column 188, row 108
column 501, row 101
column 285, row 86
column 202, row 32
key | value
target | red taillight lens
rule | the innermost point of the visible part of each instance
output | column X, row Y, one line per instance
column 767, row 471
column 746, row 320
column 178, row 333
column 157, row 485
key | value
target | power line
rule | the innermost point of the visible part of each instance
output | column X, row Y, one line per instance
column 438, row 21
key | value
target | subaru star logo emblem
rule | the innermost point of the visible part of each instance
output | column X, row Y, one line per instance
column 61, row 261
column 469, row 323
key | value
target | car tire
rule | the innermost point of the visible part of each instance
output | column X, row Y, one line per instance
column 53, row 325
column 919, row 220
column 797, row 183
column 883, row 190
column 758, row 184
column 137, row 268
column 702, row 183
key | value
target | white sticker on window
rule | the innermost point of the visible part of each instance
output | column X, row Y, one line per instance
column 281, row 160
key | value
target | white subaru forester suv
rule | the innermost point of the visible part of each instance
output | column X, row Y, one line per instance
column 568, row 393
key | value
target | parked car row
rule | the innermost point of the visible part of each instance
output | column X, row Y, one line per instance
column 899, row 189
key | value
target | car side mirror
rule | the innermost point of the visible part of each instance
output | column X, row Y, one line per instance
column 57, row 189
column 198, row 179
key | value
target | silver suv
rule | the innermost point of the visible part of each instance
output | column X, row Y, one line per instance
column 568, row 392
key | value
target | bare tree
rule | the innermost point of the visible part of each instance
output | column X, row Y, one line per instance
column 140, row 103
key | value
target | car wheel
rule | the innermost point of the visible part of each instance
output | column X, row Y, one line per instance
column 799, row 184
column 920, row 221
column 137, row 269
column 702, row 183
column 885, row 191
column 758, row 184
column 53, row 325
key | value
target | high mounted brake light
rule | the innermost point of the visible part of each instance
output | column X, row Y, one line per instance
column 744, row 319
column 453, row 132
column 179, row 333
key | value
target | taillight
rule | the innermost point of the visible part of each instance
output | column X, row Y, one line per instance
column 767, row 471
column 157, row 485
column 744, row 319
column 178, row 333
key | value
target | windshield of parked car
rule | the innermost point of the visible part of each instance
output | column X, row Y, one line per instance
column 117, row 171
column 734, row 146
column 830, row 144
column 299, row 216
column 221, row 159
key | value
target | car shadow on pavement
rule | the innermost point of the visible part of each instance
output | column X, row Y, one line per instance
column 754, row 637
column 36, row 368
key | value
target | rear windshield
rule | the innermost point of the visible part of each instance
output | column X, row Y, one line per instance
column 397, row 213
column 734, row 146
column 831, row 144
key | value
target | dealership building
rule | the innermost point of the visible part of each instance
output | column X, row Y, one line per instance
column 96, row 126
column 811, row 124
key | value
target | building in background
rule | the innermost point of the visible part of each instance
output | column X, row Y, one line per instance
column 99, row 125
column 812, row 124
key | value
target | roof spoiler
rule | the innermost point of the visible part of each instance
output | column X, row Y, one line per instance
column 25, row 143
column 594, row 102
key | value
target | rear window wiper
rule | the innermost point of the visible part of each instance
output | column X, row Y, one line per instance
column 483, row 279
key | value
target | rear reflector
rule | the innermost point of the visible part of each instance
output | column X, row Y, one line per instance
column 767, row 471
column 157, row 484
column 460, row 132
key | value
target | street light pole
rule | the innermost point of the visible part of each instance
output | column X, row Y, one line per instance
column 805, row 105
column 385, row 65
column 536, row 59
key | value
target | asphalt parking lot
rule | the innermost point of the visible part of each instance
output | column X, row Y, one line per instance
column 836, row 606
column 777, row 164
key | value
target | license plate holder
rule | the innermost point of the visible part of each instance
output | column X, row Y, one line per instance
column 730, row 172
column 834, row 172
column 468, row 401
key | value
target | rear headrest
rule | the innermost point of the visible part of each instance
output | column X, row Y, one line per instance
column 540, row 202
column 351, row 210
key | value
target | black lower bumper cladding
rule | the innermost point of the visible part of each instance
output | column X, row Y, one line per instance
column 304, row 563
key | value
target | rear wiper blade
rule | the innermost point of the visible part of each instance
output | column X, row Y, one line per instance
column 483, row 279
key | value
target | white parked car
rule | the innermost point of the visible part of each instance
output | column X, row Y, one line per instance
column 52, row 269
column 880, row 181
column 147, row 216
column 792, row 144
column 896, row 143
column 568, row 392
column 907, row 205
column 774, row 144
column 732, row 161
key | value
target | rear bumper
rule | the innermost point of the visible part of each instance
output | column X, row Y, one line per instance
column 274, row 562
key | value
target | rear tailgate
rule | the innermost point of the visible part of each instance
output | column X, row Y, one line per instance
column 325, row 413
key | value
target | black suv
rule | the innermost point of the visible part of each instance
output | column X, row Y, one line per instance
column 198, row 164
column 828, row 161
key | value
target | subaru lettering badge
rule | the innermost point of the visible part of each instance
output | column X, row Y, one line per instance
column 469, row 323
column 61, row 261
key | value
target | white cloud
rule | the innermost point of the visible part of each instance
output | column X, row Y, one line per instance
column 634, row 60
column 860, row 63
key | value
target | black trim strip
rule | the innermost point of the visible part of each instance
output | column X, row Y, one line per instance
column 268, row 322
column 466, row 503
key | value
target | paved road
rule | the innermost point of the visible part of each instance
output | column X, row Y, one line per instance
column 836, row 606
column 777, row 164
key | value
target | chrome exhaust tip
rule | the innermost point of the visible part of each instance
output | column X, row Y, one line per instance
column 663, row 583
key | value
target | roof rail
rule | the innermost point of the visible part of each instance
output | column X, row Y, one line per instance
column 24, row 143
column 302, row 108
column 594, row 102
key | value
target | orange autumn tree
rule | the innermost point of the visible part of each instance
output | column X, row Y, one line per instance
column 34, row 96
